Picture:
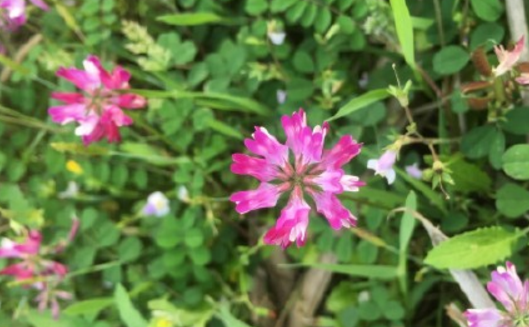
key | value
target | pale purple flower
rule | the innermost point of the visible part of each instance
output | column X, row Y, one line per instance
column 157, row 205
column 315, row 172
column 507, row 59
column 414, row 171
column 509, row 290
column 384, row 165
column 281, row 96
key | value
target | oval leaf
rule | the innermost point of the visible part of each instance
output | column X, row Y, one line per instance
column 516, row 162
column 474, row 249
column 360, row 102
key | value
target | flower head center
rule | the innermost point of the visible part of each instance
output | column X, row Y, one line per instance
column 97, row 99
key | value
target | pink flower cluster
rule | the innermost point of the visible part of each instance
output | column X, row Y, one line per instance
column 13, row 12
column 512, row 293
column 98, row 109
column 508, row 59
column 314, row 171
column 35, row 270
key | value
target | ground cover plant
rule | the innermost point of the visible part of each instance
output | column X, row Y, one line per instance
column 276, row 163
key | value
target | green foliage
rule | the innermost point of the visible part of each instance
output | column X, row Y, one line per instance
column 516, row 162
column 512, row 200
column 473, row 249
column 450, row 60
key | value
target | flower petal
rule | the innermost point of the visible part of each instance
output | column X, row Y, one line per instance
column 292, row 224
column 68, row 97
column 346, row 149
column 330, row 206
column 265, row 196
column 507, row 59
column 489, row 317
column 256, row 167
column 67, row 113
column 267, row 146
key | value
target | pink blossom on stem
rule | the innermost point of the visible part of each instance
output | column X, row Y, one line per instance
column 98, row 109
column 414, row 171
column 507, row 287
column 13, row 12
column 507, row 59
column 384, row 165
column 314, row 172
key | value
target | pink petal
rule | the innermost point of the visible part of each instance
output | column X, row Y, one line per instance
column 328, row 181
column 84, row 80
column 68, row 97
column 8, row 250
column 345, row 150
column 67, row 113
column 307, row 144
column 265, row 196
column 489, row 317
column 256, row 167
column 507, row 59
column 329, row 206
column 523, row 79
column 292, row 224
column 19, row 271
column 32, row 243
column 118, row 79
column 266, row 145
column 41, row 4
column 131, row 101
column 506, row 286
column 351, row 183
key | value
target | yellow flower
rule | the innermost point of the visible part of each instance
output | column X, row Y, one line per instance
column 164, row 322
column 74, row 167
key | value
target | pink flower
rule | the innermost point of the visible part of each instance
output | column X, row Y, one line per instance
column 314, row 171
column 13, row 12
column 523, row 79
column 507, row 59
column 414, row 171
column 98, row 109
column 384, row 165
column 509, row 290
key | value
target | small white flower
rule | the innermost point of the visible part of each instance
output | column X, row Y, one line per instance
column 281, row 96
column 277, row 38
column 183, row 194
column 157, row 205
column 72, row 190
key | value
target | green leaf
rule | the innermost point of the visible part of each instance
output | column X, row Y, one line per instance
column 129, row 249
column 281, row 5
column 476, row 143
column 225, row 129
column 497, row 148
column 149, row 153
column 323, row 20
column 404, row 27
column 346, row 24
column 488, row 10
column 88, row 307
column 256, row 7
column 368, row 271
column 229, row 319
column 512, row 200
column 450, row 60
column 486, row 35
column 360, row 102
column 194, row 238
column 303, row 62
column 192, row 19
column 473, row 249
column 516, row 162
column 516, row 121
column 128, row 313
column 407, row 223
column 344, row 247
column 469, row 177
